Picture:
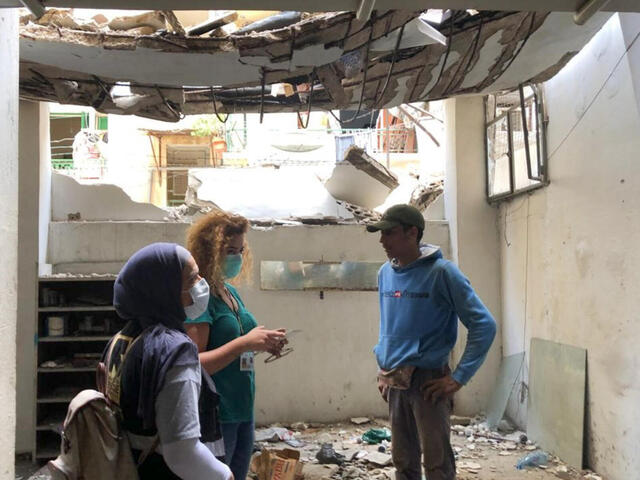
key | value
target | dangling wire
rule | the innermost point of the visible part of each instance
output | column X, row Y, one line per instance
column 393, row 61
column 312, row 78
column 262, row 84
column 364, row 77
column 473, row 52
column 444, row 64
column 102, row 86
column 215, row 108
column 177, row 114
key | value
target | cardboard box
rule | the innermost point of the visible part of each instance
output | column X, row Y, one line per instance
column 277, row 465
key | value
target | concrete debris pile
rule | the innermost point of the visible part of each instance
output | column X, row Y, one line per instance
column 296, row 196
column 425, row 195
column 287, row 61
column 361, row 180
column 338, row 452
column 360, row 183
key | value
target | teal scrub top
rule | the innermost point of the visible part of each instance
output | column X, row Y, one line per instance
column 235, row 387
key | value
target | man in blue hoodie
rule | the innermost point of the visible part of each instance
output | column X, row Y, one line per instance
column 422, row 296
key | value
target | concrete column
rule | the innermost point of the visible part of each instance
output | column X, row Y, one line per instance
column 45, row 189
column 33, row 152
column 474, row 233
column 8, row 236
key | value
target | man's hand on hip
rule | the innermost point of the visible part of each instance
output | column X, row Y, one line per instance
column 384, row 390
column 440, row 388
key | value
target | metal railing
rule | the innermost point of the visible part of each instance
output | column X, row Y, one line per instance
column 373, row 140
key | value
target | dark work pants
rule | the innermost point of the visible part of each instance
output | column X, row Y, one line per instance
column 421, row 429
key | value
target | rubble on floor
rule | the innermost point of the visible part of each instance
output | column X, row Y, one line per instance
column 481, row 454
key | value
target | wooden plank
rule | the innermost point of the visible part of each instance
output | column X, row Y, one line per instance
column 557, row 382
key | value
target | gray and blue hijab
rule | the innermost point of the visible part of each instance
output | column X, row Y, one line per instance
column 147, row 294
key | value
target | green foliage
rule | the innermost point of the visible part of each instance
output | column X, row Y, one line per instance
column 207, row 126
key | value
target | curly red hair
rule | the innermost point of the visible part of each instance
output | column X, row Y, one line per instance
column 208, row 239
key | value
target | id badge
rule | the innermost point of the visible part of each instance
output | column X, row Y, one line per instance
column 246, row 362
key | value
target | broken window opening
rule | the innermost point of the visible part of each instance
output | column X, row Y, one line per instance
column 516, row 160
column 351, row 276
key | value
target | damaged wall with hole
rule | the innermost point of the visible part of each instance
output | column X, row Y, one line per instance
column 75, row 201
column 570, row 261
column 340, row 329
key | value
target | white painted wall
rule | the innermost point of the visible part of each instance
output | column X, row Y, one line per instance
column 30, row 153
column 8, row 236
column 474, row 238
column 570, row 262
column 331, row 375
column 44, row 196
column 97, row 202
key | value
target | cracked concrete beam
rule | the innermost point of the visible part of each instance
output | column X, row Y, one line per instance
column 357, row 157
column 174, row 22
column 481, row 58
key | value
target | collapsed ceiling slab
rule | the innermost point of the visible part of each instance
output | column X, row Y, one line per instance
column 327, row 61
column 336, row 5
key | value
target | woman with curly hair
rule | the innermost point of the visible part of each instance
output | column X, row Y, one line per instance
column 227, row 334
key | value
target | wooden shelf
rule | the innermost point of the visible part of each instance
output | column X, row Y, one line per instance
column 75, row 308
column 86, row 338
column 48, row 452
column 56, row 399
column 66, row 369
column 58, row 385
column 79, row 278
column 50, row 427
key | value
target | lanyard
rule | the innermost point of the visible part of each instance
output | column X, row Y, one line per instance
column 235, row 311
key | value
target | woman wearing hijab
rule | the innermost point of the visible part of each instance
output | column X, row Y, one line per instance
column 153, row 373
column 227, row 334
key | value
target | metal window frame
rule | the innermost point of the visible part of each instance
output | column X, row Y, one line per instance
column 541, row 157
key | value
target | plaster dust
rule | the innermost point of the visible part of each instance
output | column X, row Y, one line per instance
column 477, row 458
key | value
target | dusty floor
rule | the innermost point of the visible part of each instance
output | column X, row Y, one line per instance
column 478, row 457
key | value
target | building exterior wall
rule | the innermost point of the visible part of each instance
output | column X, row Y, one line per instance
column 474, row 237
column 8, row 235
column 569, row 252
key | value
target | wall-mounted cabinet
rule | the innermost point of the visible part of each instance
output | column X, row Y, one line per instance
column 76, row 318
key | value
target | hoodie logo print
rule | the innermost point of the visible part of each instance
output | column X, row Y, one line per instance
column 405, row 294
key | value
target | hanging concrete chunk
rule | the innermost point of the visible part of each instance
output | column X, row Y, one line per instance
column 361, row 180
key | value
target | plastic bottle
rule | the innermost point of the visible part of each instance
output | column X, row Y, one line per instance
column 533, row 459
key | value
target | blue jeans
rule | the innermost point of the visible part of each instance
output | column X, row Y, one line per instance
column 238, row 447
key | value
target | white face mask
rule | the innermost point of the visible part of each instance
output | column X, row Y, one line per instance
column 200, row 296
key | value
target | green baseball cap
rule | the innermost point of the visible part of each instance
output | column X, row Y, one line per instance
column 398, row 215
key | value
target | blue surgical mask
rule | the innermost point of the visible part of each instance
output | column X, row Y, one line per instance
column 232, row 265
column 200, row 296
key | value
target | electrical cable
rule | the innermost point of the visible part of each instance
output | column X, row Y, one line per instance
column 311, row 82
column 215, row 108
